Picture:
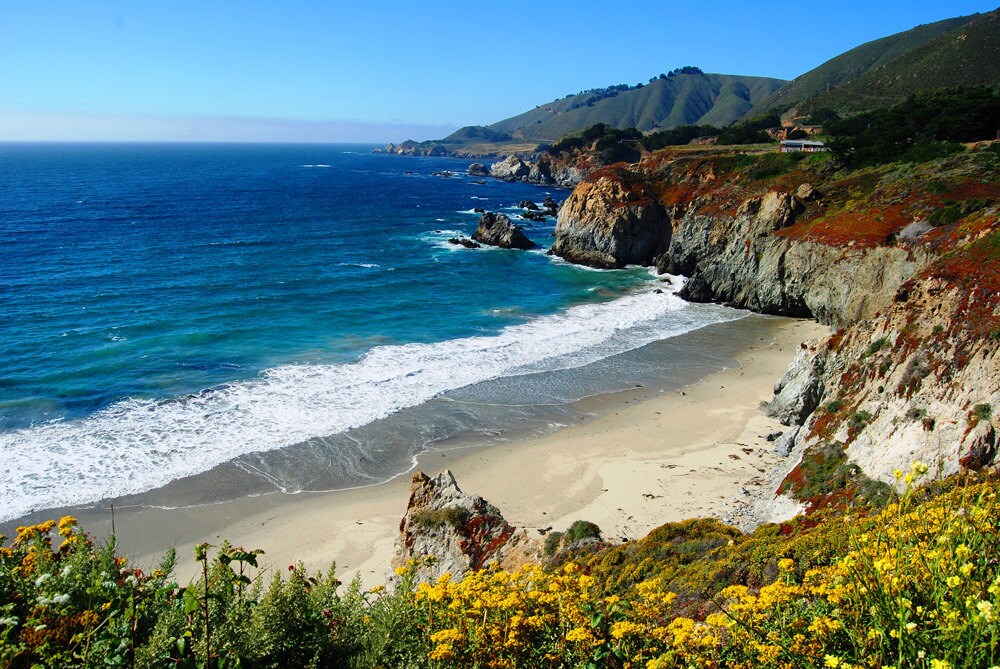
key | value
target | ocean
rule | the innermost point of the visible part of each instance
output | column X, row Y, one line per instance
column 224, row 320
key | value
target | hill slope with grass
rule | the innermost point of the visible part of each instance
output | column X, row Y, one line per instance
column 968, row 55
column 963, row 51
column 667, row 102
column 853, row 64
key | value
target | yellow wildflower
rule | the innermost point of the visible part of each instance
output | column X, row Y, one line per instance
column 447, row 635
column 442, row 652
column 66, row 525
column 625, row 628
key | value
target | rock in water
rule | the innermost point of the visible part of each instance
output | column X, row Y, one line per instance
column 510, row 168
column 478, row 170
column 498, row 230
column 464, row 241
column 457, row 531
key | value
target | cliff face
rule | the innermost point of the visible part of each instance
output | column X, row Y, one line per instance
column 917, row 382
column 740, row 261
column 614, row 218
column 912, row 373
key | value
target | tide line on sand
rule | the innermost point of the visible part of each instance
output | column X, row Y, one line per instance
column 639, row 464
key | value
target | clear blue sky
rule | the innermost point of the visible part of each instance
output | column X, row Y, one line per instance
column 384, row 71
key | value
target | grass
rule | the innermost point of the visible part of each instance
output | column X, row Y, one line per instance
column 450, row 516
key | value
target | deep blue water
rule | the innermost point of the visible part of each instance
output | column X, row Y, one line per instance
column 167, row 308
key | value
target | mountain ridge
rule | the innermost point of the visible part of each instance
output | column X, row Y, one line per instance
column 854, row 63
column 666, row 102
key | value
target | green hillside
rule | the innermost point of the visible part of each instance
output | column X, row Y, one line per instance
column 667, row 102
column 968, row 55
column 854, row 63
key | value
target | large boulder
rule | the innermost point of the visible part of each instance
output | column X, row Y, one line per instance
column 478, row 170
column 447, row 530
column 498, row 230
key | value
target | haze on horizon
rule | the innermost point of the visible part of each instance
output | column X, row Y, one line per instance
column 112, row 70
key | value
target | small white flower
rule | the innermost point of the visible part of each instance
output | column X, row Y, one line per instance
column 66, row 571
column 41, row 579
column 9, row 621
column 60, row 599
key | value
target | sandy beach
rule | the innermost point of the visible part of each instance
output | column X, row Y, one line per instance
column 646, row 459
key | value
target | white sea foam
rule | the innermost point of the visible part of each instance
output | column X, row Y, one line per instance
column 137, row 445
column 364, row 265
column 320, row 166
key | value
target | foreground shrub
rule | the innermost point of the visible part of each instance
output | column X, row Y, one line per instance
column 914, row 584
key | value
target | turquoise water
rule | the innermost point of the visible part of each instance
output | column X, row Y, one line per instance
column 166, row 309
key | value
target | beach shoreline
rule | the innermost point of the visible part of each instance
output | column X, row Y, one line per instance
column 647, row 458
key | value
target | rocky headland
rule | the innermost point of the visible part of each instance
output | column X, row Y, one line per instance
column 914, row 293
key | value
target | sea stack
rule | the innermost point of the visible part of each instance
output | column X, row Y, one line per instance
column 498, row 230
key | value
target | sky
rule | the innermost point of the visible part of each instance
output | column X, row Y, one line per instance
column 380, row 71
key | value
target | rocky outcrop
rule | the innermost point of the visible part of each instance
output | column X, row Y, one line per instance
column 478, row 170
column 411, row 148
column 606, row 224
column 800, row 390
column 510, row 168
column 544, row 171
column 916, row 383
column 806, row 279
column 464, row 241
column 738, row 258
column 447, row 530
column 498, row 230
column 911, row 373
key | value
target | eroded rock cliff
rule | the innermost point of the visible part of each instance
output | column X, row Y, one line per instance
column 901, row 258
